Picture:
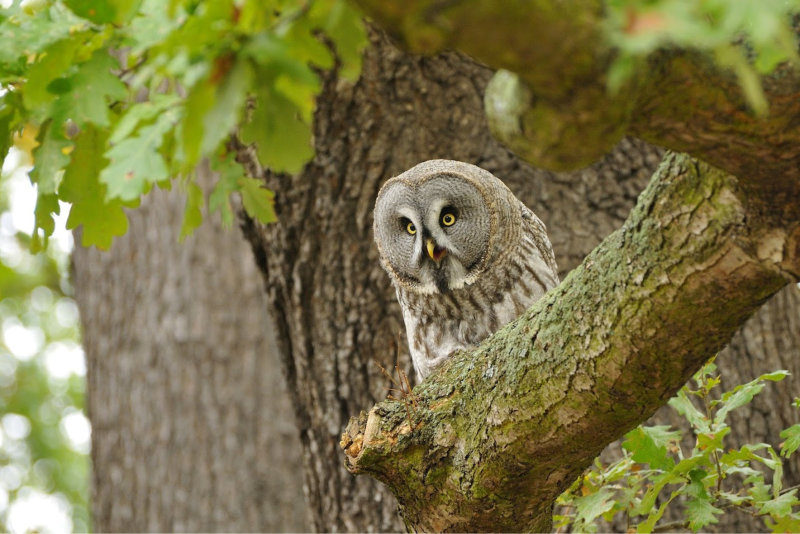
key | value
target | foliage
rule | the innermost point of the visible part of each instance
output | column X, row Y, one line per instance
column 750, row 37
column 112, row 97
column 41, row 387
column 654, row 471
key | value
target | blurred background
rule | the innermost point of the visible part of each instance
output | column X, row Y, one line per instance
column 44, row 433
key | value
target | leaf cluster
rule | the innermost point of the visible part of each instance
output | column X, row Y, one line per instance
column 655, row 473
column 109, row 98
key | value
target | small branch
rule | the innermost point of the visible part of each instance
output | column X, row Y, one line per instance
column 403, row 388
column 672, row 527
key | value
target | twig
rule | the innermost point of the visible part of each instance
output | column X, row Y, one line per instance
column 671, row 527
column 403, row 389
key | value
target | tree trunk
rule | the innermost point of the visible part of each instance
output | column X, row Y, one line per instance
column 191, row 428
column 336, row 311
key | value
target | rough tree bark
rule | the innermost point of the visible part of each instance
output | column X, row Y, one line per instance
column 191, row 429
column 336, row 312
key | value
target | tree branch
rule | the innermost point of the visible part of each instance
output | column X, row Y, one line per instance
column 502, row 430
column 568, row 119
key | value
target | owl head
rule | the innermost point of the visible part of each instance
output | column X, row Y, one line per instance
column 442, row 223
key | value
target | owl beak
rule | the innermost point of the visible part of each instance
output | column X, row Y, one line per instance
column 436, row 253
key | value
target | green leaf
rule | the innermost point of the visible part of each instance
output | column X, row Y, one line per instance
column 258, row 200
column 213, row 111
column 302, row 94
column 648, row 445
column 649, row 524
column 683, row 405
column 594, row 505
column 99, row 11
column 229, row 174
column 139, row 113
column 104, row 11
column 306, row 47
column 791, row 436
column 193, row 212
column 699, row 509
column 787, row 523
column 779, row 506
column 46, row 209
column 757, row 488
column 93, row 87
column 775, row 376
column 152, row 28
column 744, row 455
column 24, row 36
column 282, row 139
column 135, row 163
column 696, row 488
column 775, row 463
column 277, row 58
column 345, row 26
column 744, row 393
column 700, row 512
column 50, row 157
column 674, row 476
column 712, row 440
column 10, row 105
column 38, row 91
column 198, row 102
column 101, row 219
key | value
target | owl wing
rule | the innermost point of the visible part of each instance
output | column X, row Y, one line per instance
column 538, row 233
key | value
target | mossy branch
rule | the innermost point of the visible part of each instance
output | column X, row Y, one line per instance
column 502, row 430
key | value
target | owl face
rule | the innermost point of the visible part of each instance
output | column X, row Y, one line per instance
column 432, row 231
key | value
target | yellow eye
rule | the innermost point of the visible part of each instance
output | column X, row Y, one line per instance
column 410, row 228
column 448, row 219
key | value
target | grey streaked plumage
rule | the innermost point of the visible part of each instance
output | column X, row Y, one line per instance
column 459, row 278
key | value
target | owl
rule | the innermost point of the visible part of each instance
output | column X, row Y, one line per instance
column 464, row 254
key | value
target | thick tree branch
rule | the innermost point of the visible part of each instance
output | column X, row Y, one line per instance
column 568, row 119
column 502, row 430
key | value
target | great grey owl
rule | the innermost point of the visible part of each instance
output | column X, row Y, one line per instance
column 464, row 254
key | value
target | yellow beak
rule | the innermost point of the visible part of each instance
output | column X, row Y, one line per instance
column 435, row 253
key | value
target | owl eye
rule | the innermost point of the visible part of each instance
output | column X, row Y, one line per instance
column 448, row 217
column 410, row 228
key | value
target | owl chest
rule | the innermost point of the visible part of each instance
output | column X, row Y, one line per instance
column 440, row 332
column 437, row 325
